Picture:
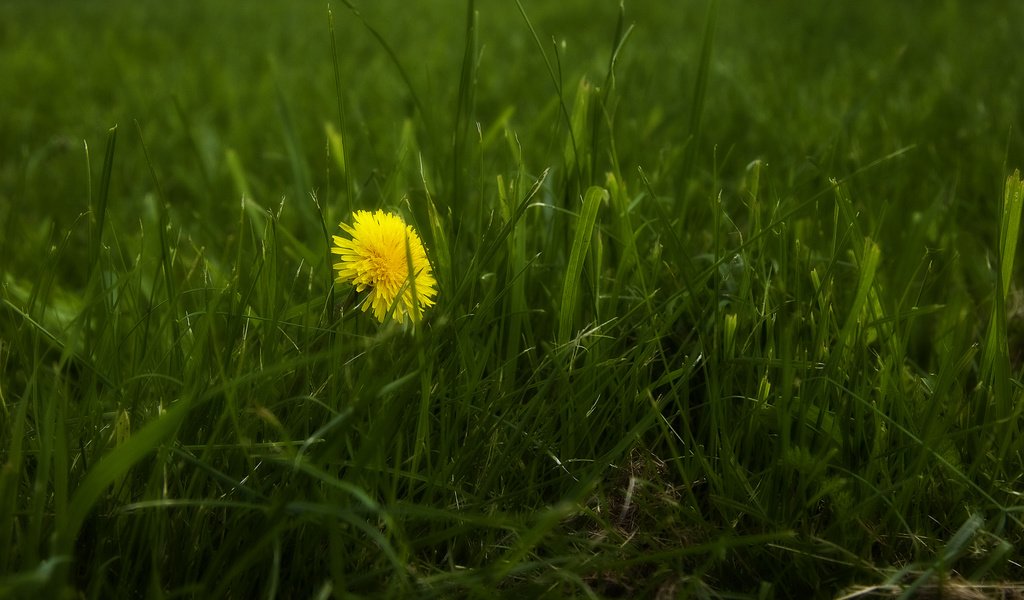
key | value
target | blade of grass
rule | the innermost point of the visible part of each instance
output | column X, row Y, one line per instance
column 293, row 147
column 995, row 362
column 580, row 244
column 556, row 80
column 10, row 474
column 496, row 242
column 420, row 107
column 109, row 468
column 867, row 269
column 343, row 157
column 464, row 108
column 99, row 211
column 1009, row 228
column 166, row 261
column 700, row 90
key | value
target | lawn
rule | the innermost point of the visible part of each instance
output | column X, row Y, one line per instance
column 727, row 303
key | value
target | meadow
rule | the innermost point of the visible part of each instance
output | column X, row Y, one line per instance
column 727, row 304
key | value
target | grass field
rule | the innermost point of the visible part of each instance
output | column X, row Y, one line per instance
column 727, row 299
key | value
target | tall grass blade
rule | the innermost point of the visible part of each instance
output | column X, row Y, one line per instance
column 111, row 467
column 556, row 79
column 465, row 107
column 100, row 210
column 166, row 261
column 577, row 146
column 574, row 269
column 1009, row 228
column 870, row 259
column 293, row 147
column 995, row 361
column 995, row 357
column 700, row 90
column 402, row 72
column 10, row 475
column 339, row 149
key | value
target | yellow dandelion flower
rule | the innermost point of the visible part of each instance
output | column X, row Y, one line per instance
column 377, row 258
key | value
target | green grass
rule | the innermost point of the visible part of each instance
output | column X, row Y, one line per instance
column 728, row 300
